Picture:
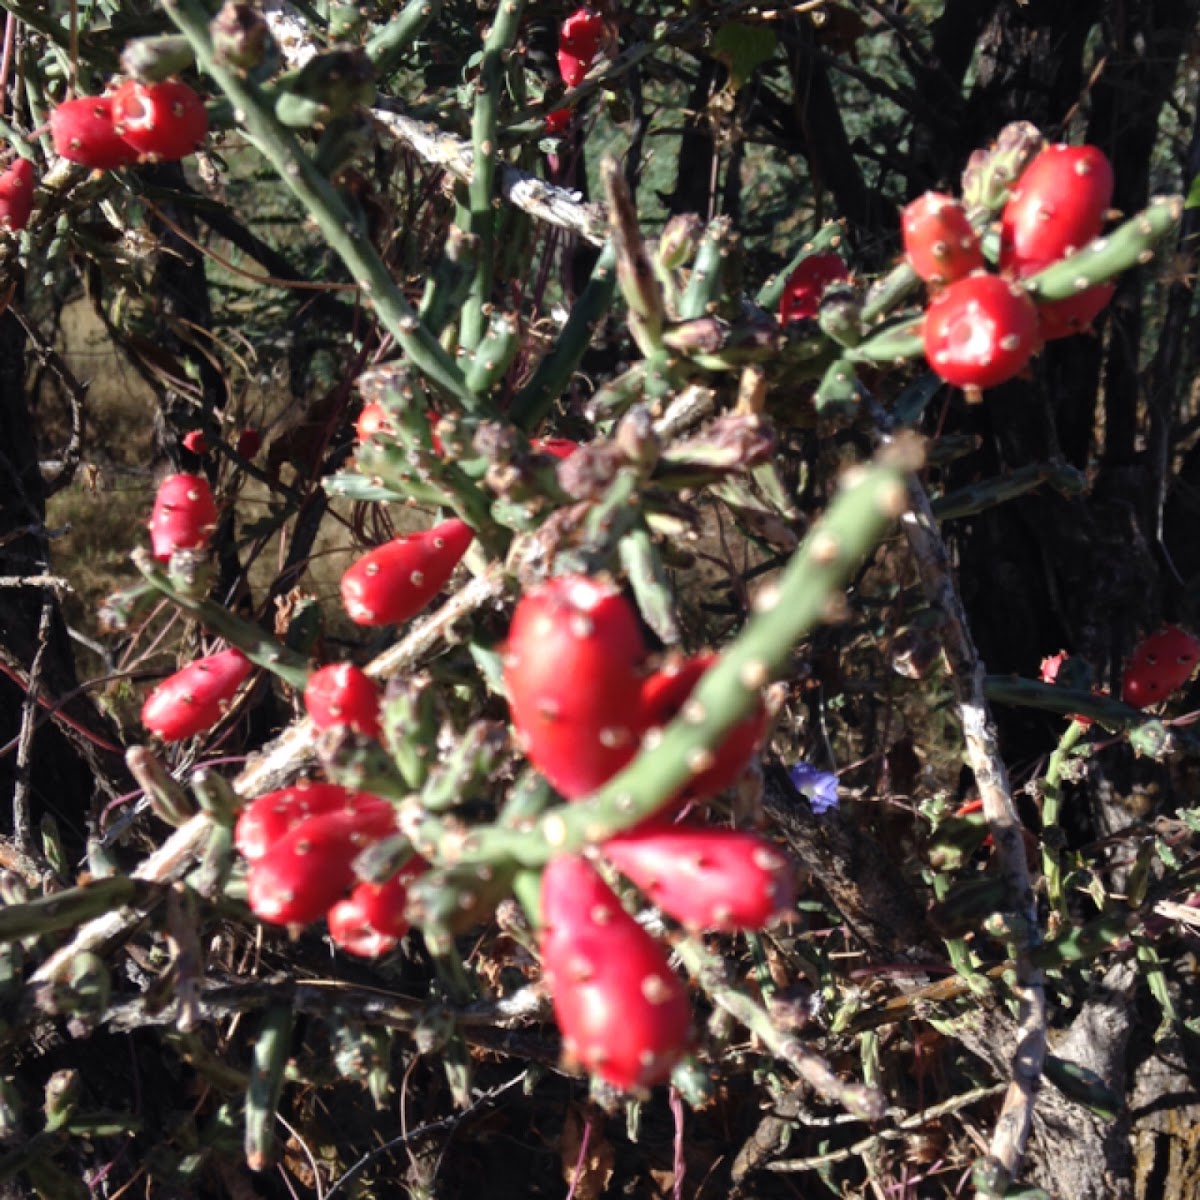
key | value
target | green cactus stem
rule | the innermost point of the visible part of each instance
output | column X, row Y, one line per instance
column 647, row 575
column 271, row 1050
column 837, row 393
column 221, row 804
column 494, row 354
column 153, row 59
column 1030, row 693
column 527, row 799
column 217, row 861
column 73, row 906
column 467, row 768
column 447, row 288
column 257, row 646
column 1085, row 1087
column 167, row 797
column 840, row 316
column 871, row 498
column 360, row 764
column 1085, row 943
column 409, row 716
column 326, row 207
column 1129, row 245
column 552, row 375
column 977, row 497
column 391, row 42
column 896, row 343
column 707, row 278
column 635, row 273
column 481, row 190
column 120, row 610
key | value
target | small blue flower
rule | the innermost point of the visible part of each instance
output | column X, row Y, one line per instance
column 819, row 788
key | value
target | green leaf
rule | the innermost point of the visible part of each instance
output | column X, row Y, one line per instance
column 1193, row 196
column 743, row 49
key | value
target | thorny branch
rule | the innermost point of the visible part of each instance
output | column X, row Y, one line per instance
column 991, row 777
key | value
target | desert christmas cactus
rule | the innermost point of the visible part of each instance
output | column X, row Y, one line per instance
column 560, row 786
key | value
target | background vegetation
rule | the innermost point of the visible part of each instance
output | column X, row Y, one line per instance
column 144, row 304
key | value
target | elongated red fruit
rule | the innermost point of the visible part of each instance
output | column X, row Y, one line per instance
column 721, row 879
column 83, row 131
column 343, row 694
column 161, row 121
column 622, row 1011
column 664, row 695
column 1056, row 208
column 939, row 242
column 184, row 515
column 1159, row 665
column 578, row 41
column 268, row 817
column 311, row 867
column 16, row 194
column 571, row 668
column 394, row 582
column 980, row 331
column 195, row 698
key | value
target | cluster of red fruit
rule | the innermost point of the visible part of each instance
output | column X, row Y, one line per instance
column 159, row 122
column 981, row 329
column 153, row 122
column 582, row 702
column 578, row 41
column 300, row 844
column 387, row 585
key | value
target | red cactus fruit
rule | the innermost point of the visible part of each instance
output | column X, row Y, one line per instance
column 374, row 419
column 350, row 930
column 555, row 447
column 83, row 131
column 721, row 879
column 806, row 285
column 980, row 331
column 305, row 872
column 622, row 1011
column 249, row 443
column 578, row 41
column 343, row 694
column 558, row 121
column 571, row 673
column 664, row 695
column 195, row 441
column 195, row 698
column 1159, row 665
column 268, row 817
column 1075, row 314
column 17, row 184
column 371, row 920
column 184, row 515
column 1056, row 208
column 939, row 242
column 395, row 581
column 161, row 121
